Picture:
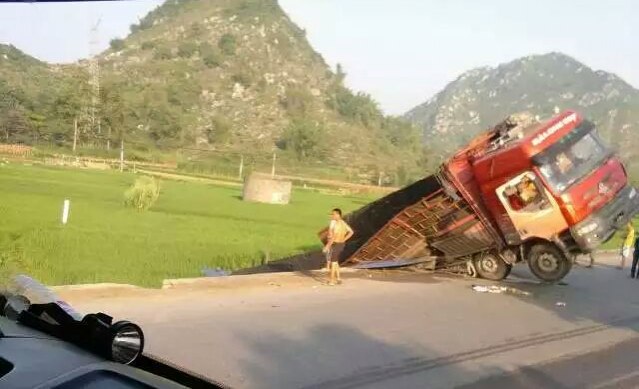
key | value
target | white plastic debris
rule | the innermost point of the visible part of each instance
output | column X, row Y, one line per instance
column 560, row 304
column 499, row 289
column 480, row 288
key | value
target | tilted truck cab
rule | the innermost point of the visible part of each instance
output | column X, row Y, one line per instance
column 584, row 196
column 540, row 193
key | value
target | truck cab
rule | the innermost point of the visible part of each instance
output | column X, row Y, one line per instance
column 557, row 183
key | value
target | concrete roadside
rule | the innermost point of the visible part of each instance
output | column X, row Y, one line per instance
column 215, row 285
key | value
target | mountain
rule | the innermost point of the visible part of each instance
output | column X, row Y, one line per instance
column 28, row 90
column 225, row 75
column 240, row 75
column 539, row 84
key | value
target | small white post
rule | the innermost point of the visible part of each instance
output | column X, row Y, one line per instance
column 241, row 166
column 273, row 168
column 379, row 179
column 65, row 211
column 134, row 169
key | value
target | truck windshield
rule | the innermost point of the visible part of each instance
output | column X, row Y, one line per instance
column 572, row 160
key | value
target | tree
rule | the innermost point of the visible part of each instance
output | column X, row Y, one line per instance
column 117, row 44
column 218, row 130
column 67, row 107
column 227, row 44
column 304, row 139
column 14, row 123
column 113, row 110
column 36, row 123
column 148, row 45
column 358, row 107
column 400, row 133
column 340, row 75
column 297, row 101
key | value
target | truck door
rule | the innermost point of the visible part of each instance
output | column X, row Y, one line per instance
column 532, row 209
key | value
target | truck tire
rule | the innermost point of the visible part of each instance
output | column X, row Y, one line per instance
column 492, row 267
column 548, row 263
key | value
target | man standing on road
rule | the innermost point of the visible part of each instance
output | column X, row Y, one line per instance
column 328, row 252
column 338, row 233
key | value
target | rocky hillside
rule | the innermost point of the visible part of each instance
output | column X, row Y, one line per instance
column 540, row 84
column 230, row 75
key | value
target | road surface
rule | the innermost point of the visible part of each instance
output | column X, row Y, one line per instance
column 395, row 329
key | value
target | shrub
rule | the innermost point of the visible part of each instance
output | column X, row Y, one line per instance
column 117, row 44
column 227, row 44
column 143, row 194
column 196, row 29
column 243, row 79
column 212, row 60
column 148, row 45
column 162, row 53
column 187, row 49
column 209, row 55
column 297, row 100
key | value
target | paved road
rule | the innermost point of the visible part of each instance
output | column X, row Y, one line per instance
column 615, row 367
column 398, row 330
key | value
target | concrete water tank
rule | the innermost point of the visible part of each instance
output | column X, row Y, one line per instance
column 264, row 189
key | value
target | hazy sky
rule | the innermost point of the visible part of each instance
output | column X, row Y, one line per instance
column 400, row 51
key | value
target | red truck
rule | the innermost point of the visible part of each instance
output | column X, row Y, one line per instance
column 540, row 193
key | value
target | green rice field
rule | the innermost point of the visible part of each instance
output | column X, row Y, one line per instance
column 192, row 226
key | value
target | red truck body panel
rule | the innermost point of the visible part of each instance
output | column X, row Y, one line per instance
column 459, row 171
column 594, row 192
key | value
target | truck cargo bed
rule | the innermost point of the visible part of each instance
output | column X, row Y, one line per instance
column 414, row 222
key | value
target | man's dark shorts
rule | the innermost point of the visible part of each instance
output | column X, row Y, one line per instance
column 336, row 251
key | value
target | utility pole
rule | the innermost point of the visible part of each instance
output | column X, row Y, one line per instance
column 94, row 80
column 273, row 167
column 121, row 154
column 241, row 166
column 75, row 133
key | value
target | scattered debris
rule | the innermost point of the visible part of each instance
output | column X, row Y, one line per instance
column 274, row 284
column 560, row 304
column 499, row 289
column 217, row 272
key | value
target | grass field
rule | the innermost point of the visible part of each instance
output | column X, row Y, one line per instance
column 191, row 227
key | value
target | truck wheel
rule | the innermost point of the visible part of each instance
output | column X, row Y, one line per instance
column 492, row 267
column 548, row 263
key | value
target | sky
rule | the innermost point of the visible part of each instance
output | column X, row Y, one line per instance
column 400, row 51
